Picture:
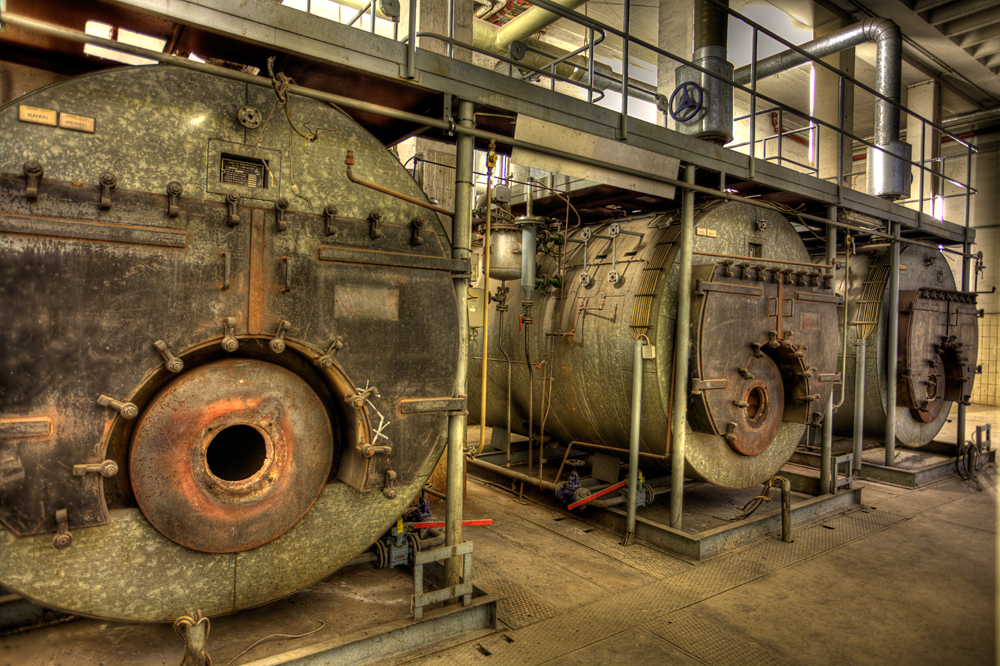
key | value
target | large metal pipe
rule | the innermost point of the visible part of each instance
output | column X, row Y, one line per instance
column 861, row 347
column 461, row 235
column 886, row 177
column 633, row 447
column 711, row 25
column 892, row 350
column 682, row 344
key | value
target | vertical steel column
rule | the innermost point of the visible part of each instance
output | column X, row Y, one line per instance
column 461, row 239
column 623, row 118
column 966, row 261
column 826, row 448
column 860, row 349
column 633, row 447
column 892, row 349
column 682, row 343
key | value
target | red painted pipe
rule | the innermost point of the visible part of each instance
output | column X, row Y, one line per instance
column 591, row 498
column 465, row 523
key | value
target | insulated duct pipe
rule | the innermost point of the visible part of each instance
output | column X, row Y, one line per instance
column 713, row 120
column 888, row 177
column 496, row 39
column 576, row 69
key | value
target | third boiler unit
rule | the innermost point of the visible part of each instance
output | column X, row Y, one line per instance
column 763, row 341
column 937, row 341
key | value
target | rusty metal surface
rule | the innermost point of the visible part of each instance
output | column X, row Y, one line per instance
column 231, row 455
column 591, row 349
column 920, row 269
column 94, row 294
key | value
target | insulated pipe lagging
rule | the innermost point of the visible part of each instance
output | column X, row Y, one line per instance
column 711, row 25
column 888, row 66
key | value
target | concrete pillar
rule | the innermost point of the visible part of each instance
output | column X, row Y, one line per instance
column 827, row 108
column 924, row 99
column 676, row 34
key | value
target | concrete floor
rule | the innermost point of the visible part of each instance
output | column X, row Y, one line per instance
column 908, row 578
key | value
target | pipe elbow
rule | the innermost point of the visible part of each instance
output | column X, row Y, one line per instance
column 881, row 29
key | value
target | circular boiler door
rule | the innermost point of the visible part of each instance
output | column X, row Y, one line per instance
column 231, row 455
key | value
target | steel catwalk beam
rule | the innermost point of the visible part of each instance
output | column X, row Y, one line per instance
column 682, row 343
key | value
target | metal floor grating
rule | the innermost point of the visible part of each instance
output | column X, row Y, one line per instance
column 637, row 556
column 709, row 641
column 519, row 607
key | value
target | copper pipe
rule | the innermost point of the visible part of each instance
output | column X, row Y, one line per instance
column 601, row 447
column 766, row 261
column 384, row 190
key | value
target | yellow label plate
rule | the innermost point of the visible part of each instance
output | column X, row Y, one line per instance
column 33, row 114
column 71, row 121
column 702, row 231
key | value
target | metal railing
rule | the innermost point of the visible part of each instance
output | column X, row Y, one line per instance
column 929, row 169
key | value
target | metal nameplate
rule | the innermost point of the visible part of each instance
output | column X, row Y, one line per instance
column 708, row 233
column 26, row 427
column 33, row 114
column 353, row 255
column 116, row 233
column 71, row 121
column 424, row 405
column 829, row 377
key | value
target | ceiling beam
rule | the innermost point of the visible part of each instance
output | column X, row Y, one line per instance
column 989, row 48
column 946, row 54
column 979, row 36
column 921, row 6
column 960, row 9
column 980, row 20
column 960, row 88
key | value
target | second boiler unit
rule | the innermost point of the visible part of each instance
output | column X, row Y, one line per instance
column 763, row 341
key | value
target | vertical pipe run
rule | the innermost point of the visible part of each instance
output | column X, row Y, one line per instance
column 682, row 340
column 486, row 307
column 623, row 118
column 786, row 509
column 966, row 269
column 461, row 237
column 826, row 448
column 861, row 347
column 892, row 349
column 633, row 447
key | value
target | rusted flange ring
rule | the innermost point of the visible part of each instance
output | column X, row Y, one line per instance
column 231, row 455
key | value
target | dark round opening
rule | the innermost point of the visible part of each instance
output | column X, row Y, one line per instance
column 756, row 402
column 236, row 453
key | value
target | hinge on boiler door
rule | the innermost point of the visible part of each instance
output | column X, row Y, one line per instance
column 229, row 341
column 233, row 208
column 280, row 206
column 417, row 225
column 277, row 343
column 375, row 217
column 330, row 220
column 33, row 173
column 326, row 360
column 174, row 190
column 108, row 182
column 126, row 409
column 390, row 481
column 63, row 538
column 170, row 362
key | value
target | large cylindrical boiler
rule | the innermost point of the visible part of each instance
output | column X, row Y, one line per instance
column 226, row 368
column 763, row 347
column 937, row 344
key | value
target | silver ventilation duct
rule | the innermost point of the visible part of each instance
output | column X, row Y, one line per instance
column 888, row 168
